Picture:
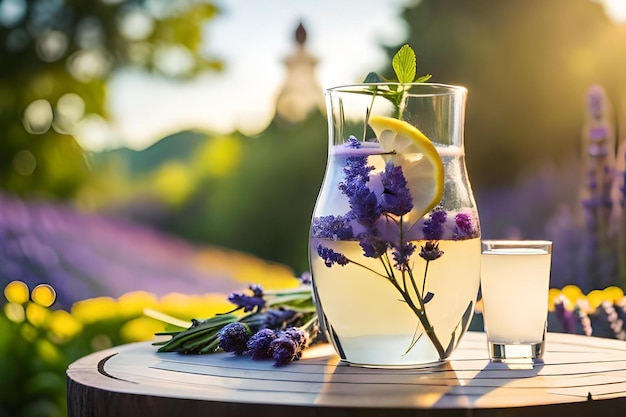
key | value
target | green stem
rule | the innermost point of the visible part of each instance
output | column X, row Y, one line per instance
column 368, row 268
column 388, row 267
column 421, row 314
column 401, row 103
column 424, row 280
column 420, row 311
column 368, row 111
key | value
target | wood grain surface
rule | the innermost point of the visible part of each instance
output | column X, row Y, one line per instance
column 579, row 375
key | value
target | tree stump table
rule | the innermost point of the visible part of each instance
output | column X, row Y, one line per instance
column 579, row 375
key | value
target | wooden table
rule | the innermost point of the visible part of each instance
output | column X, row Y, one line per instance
column 580, row 375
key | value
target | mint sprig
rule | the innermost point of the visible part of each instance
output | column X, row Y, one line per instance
column 404, row 64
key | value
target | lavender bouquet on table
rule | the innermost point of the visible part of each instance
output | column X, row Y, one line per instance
column 276, row 325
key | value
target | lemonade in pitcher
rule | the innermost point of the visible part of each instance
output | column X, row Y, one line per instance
column 395, row 236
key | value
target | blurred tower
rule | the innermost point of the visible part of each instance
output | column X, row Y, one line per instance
column 300, row 94
column 598, row 162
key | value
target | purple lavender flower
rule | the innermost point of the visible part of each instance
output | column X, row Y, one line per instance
column 565, row 316
column 331, row 257
column 353, row 142
column 433, row 226
column 288, row 346
column 364, row 205
column 464, row 226
column 305, row 278
column 279, row 318
column 356, row 173
column 283, row 350
column 396, row 197
column 372, row 246
column 402, row 254
column 331, row 227
column 362, row 200
column 233, row 338
column 258, row 346
column 299, row 337
column 430, row 251
column 247, row 302
column 257, row 290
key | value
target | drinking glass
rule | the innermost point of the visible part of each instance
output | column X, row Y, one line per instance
column 515, row 277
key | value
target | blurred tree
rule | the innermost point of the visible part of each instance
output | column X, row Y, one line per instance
column 527, row 65
column 263, row 203
column 56, row 58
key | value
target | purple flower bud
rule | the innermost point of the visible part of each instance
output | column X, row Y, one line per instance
column 362, row 200
column 258, row 345
column 353, row 143
column 233, row 338
column 331, row 257
column 299, row 337
column 288, row 345
column 430, row 251
column 283, row 350
column 396, row 197
column 565, row 316
column 331, row 227
column 464, row 226
column 257, row 290
column 364, row 205
column 402, row 254
column 306, row 278
column 248, row 303
column 433, row 226
column 372, row 246
column 279, row 318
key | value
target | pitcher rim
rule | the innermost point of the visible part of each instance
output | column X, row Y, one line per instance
column 446, row 89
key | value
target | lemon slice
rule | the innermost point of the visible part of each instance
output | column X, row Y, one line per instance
column 414, row 152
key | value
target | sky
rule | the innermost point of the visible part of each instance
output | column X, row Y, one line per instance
column 252, row 38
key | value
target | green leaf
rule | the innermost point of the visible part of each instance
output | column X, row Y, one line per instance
column 404, row 64
column 423, row 78
column 372, row 77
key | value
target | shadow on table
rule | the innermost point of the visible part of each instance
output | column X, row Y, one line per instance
column 472, row 388
column 388, row 389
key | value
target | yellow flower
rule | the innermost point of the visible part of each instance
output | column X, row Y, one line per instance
column 44, row 295
column 186, row 307
column 14, row 312
column 141, row 329
column 573, row 293
column 37, row 315
column 133, row 303
column 587, row 303
column 613, row 294
column 16, row 292
column 594, row 299
column 94, row 309
column 63, row 325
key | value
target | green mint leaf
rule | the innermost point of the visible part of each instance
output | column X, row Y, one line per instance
column 404, row 64
column 423, row 78
column 372, row 77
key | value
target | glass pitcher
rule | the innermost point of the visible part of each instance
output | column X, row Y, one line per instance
column 395, row 235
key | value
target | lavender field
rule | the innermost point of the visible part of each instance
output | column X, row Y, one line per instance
column 85, row 255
